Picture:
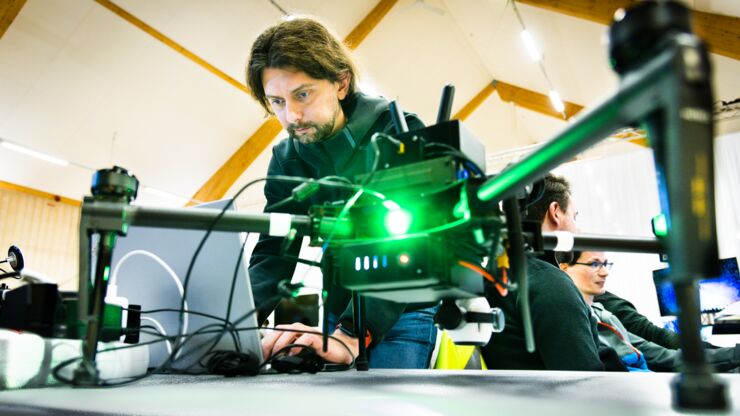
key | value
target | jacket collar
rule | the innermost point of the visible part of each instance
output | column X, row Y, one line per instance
column 361, row 112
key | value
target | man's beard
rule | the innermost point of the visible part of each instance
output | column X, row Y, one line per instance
column 319, row 133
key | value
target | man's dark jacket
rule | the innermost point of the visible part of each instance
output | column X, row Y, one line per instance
column 345, row 153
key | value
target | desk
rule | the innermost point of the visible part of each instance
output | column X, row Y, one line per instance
column 377, row 392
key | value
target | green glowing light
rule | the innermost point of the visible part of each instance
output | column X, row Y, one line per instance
column 397, row 222
column 462, row 208
column 106, row 273
column 660, row 225
column 391, row 205
column 479, row 237
column 341, row 228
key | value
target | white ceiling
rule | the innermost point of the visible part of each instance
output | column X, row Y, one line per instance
column 81, row 83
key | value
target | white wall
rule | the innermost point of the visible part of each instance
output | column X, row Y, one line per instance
column 618, row 195
column 727, row 189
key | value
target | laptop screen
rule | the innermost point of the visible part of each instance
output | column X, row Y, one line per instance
column 149, row 267
column 715, row 293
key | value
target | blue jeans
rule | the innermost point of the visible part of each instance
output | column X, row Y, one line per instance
column 409, row 343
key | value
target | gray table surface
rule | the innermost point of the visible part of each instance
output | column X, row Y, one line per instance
column 377, row 392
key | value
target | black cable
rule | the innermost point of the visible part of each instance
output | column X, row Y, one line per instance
column 170, row 358
column 279, row 204
column 202, row 331
column 128, row 380
column 455, row 151
column 210, row 342
column 376, row 153
column 226, row 322
column 203, row 314
column 233, row 282
column 303, row 261
column 326, row 180
column 237, row 358
column 213, row 225
column 231, row 364
column 329, row 181
column 451, row 151
column 57, row 369
column 179, row 342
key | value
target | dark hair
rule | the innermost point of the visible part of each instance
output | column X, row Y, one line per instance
column 556, row 189
column 302, row 44
column 570, row 257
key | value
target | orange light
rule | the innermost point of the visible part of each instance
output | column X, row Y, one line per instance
column 404, row 259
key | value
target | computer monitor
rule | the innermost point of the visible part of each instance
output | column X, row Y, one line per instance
column 715, row 293
column 149, row 267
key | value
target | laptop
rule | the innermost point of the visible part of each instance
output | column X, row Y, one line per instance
column 148, row 268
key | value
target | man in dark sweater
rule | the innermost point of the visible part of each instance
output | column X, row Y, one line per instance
column 302, row 74
column 565, row 333
column 589, row 270
column 637, row 323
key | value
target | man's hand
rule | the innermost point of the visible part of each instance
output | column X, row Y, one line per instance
column 275, row 340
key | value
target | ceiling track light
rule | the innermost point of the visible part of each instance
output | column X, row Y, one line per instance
column 536, row 56
column 556, row 101
column 530, row 45
column 33, row 153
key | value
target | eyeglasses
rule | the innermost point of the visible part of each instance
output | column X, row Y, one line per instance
column 596, row 265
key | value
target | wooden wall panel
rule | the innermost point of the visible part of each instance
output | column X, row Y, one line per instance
column 46, row 232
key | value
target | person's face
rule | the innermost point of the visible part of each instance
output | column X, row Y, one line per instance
column 307, row 108
column 558, row 219
column 569, row 217
column 590, row 280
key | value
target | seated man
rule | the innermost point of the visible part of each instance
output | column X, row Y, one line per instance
column 589, row 270
column 637, row 323
column 565, row 333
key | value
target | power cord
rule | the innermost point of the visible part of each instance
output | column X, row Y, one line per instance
column 158, row 326
column 112, row 286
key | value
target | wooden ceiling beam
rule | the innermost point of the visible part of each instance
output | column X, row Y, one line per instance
column 220, row 182
column 534, row 101
column 360, row 32
column 125, row 15
column 225, row 177
column 519, row 96
column 473, row 104
column 9, row 10
column 722, row 33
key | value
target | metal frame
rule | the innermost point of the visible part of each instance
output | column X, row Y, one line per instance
column 671, row 96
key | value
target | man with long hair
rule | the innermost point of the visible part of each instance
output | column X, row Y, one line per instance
column 301, row 73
